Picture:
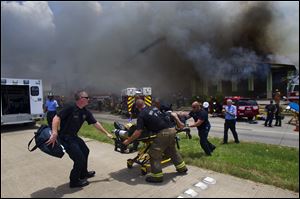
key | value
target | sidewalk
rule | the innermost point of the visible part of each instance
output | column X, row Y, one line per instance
column 36, row 174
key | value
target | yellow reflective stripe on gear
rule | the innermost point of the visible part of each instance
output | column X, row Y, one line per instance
column 128, row 125
column 181, row 165
column 157, row 175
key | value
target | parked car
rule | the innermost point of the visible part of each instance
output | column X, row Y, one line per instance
column 246, row 107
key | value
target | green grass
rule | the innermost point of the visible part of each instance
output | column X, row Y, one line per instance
column 268, row 164
column 91, row 132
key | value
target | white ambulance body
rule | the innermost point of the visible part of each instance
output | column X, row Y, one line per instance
column 21, row 100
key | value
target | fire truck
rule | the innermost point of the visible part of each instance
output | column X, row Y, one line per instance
column 21, row 101
column 129, row 95
column 293, row 89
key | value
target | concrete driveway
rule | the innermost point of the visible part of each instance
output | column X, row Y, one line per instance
column 35, row 174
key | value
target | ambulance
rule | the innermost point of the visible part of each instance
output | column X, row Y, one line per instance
column 21, row 101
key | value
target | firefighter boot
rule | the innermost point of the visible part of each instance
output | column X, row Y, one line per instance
column 181, row 168
column 182, row 171
column 155, row 178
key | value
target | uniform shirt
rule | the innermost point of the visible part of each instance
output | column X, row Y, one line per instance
column 271, row 108
column 201, row 115
column 152, row 119
column 51, row 105
column 231, row 109
column 134, row 110
column 72, row 118
column 278, row 109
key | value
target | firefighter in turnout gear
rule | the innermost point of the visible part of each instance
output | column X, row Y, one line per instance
column 151, row 119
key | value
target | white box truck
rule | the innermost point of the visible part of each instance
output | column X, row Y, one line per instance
column 21, row 100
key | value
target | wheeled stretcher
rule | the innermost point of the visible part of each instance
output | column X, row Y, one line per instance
column 142, row 158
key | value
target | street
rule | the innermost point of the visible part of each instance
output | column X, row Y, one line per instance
column 284, row 135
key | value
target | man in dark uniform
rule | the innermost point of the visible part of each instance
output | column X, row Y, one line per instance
column 278, row 115
column 152, row 120
column 70, row 120
column 271, row 109
column 166, row 109
column 200, row 117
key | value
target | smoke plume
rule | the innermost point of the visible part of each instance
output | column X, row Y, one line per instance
column 107, row 46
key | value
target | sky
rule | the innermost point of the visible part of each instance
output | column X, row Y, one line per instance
column 107, row 46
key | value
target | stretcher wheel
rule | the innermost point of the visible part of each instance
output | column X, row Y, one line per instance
column 143, row 170
column 129, row 164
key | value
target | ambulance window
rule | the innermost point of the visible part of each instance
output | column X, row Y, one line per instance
column 34, row 90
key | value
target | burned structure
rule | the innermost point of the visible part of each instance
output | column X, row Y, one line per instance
column 261, row 83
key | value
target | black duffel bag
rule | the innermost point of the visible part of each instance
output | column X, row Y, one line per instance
column 41, row 137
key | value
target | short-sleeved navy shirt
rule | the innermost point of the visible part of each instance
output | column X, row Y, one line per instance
column 72, row 118
column 152, row 119
column 201, row 115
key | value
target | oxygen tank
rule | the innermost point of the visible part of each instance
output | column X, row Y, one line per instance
column 121, row 133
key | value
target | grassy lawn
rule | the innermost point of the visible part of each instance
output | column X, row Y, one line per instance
column 268, row 164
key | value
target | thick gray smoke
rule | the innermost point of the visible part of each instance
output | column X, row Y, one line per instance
column 107, row 46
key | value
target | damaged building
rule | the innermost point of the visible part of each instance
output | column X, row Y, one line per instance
column 260, row 84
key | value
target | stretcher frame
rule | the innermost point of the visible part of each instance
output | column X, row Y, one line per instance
column 143, row 158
